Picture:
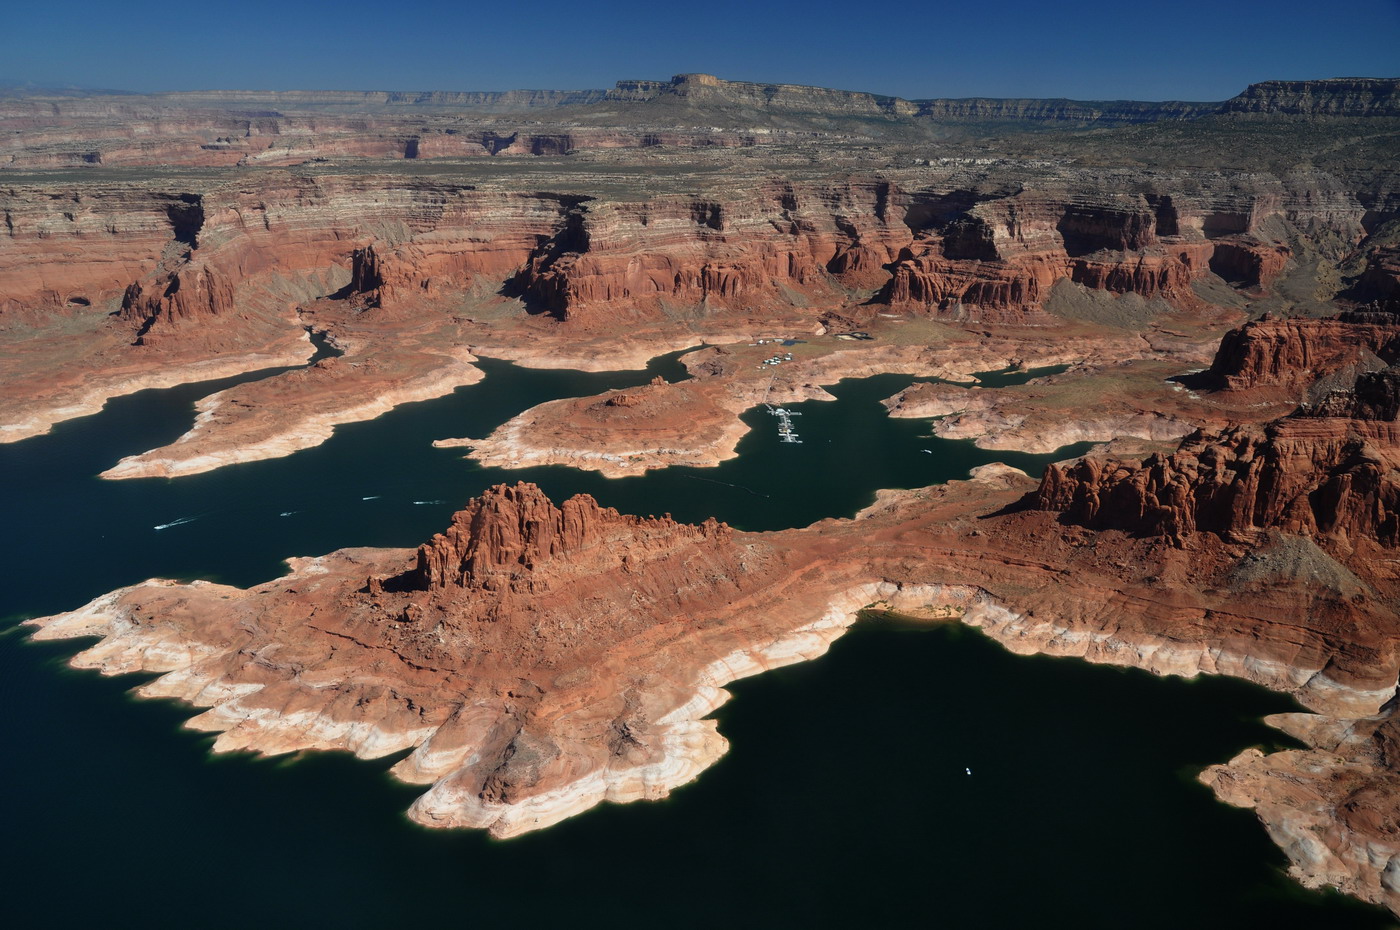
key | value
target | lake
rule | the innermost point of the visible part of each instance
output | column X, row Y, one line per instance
column 844, row 800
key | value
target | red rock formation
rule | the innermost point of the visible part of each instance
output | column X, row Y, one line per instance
column 1252, row 264
column 1009, row 289
column 81, row 249
column 1291, row 354
column 394, row 277
column 998, row 259
column 499, row 540
column 538, row 658
column 195, row 291
column 924, row 247
column 929, row 282
column 1327, row 473
column 722, row 254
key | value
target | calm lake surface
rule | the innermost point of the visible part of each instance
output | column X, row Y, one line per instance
column 843, row 801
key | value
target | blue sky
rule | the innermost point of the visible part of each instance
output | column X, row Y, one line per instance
column 1148, row 51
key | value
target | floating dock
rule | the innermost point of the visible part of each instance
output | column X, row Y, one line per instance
column 785, row 430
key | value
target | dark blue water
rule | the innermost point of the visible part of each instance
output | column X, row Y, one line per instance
column 843, row 801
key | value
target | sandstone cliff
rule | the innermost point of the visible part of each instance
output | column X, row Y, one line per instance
column 1291, row 355
column 1334, row 97
column 1327, row 473
column 497, row 542
column 999, row 257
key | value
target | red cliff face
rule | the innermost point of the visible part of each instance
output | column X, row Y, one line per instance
column 999, row 258
column 1380, row 282
column 1247, row 263
column 193, row 292
column 504, row 535
column 930, row 248
column 1291, row 354
column 726, row 254
column 1328, row 472
column 957, row 253
column 393, row 277
column 163, row 261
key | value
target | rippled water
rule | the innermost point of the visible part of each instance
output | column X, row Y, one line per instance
column 843, row 802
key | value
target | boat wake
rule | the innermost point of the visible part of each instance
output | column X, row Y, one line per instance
column 728, row 485
column 180, row 522
column 420, row 503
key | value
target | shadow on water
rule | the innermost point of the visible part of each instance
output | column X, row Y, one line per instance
column 843, row 802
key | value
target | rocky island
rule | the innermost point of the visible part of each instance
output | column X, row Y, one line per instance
column 1215, row 286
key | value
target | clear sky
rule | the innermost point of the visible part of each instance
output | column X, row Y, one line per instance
column 1189, row 50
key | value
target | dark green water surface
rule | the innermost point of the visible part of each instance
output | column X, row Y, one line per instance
column 843, row 802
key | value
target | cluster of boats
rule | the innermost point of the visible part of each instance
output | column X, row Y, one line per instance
column 785, row 431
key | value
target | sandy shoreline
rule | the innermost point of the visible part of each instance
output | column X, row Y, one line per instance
column 96, row 397
column 198, row 451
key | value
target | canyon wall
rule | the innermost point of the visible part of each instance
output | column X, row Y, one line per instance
column 1328, row 473
column 225, row 128
column 1291, row 355
column 173, row 257
column 1374, row 97
column 920, row 244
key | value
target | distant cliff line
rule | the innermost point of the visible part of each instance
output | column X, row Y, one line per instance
column 1368, row 97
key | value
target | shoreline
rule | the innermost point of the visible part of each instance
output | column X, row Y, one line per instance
column 513, row 450
column 698, row 422
column 685, row 742
column 308, row 432
column 96, row 398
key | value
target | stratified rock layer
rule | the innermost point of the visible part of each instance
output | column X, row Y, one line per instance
column 1290, row 355
column 1325, row 474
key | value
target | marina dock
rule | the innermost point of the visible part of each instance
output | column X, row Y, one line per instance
column 785, row 430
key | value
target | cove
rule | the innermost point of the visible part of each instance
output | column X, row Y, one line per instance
column 843, row 801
